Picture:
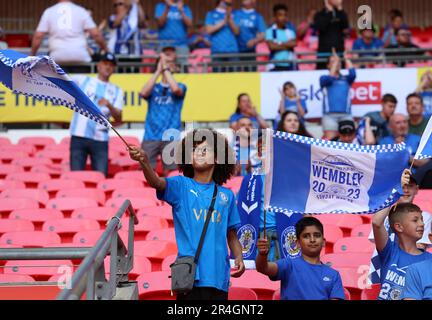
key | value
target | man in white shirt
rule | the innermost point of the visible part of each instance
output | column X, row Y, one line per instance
column 66, row 25
column 90, row 138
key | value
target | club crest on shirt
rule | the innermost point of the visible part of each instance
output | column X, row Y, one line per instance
column 289, row 244
column 395, row 294
column 223, row 197
column 247, row 237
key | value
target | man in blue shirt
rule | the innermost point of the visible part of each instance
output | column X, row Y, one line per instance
column 252, row 28
column 379, row 120
column 368, row 41
column 336, row 95
column 418, row 281
column 306, row 277
column 165, row 102
column 281, row 40
column 174, row 18
column 223, row 26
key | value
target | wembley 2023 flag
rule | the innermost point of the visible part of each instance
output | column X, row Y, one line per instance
column 42, row 78
column 314, row 176
column 424, row 150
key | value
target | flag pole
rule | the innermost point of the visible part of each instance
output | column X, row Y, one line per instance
column 121, row 138
column 412, row 163
column 265, row 218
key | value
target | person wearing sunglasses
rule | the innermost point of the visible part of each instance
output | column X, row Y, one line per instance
column 404, row 42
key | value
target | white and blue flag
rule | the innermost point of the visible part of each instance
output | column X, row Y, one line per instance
column 424, row 151
column 42, row 78
column 312, row 176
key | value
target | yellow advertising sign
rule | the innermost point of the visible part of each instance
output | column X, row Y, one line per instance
column 210, row 97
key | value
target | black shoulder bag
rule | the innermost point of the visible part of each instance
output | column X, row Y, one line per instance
column 183, row 270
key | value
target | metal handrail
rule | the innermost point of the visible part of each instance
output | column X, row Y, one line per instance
column 84, row 278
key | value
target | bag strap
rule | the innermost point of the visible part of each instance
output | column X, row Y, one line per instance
column 209, row 214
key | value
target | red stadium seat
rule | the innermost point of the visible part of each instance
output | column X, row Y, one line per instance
column 347, row 294
column 9, row 225
column 276, row 295
column 87, row 238
column 371, row 293
column 424, row 194
column 55, row 156
column 15, row 278
column 9, row 184
column 234, row 184
column 352, row 280
column 258, row 282
column 158, row 211
column 37, row 216
column 30, row 239
column 332, row 234
column 6, row 169
column 29, row 150
column 156, row 251
column 235, row 293
column 94, row 194
column 41, row 270
column 155, row 286
column 31, row 179
column 140, row 265
column 353, row 244
column 425, row 205
column 67, row 228
column 137, row 202
column 28, row 163
column 346, row 260
column 9, row 204
column 367, row 218
column 110, row 185
column 167, row 262
column 126, row 163
column 54, row 170
column 54, row 185
column 161, row 234
column 344, row 221
column 136, row 175
column 65, row 140
column 8, row 156
column 100, row 214
column 90, row 178
column 148, row 193
column 129, row 139
column 67, row 205
column 40, row 196
column 362, row 230
column 145, row 225
column 38, row 142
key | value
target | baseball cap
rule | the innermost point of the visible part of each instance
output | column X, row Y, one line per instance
column 108, row 57
column 346, row 127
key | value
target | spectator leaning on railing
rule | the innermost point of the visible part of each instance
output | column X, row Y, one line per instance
column 66, row 24
column 367, row 41
column 281, row 40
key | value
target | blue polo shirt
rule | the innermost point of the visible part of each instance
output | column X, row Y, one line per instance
column 251, row 23
column 280, row 36
column 412, row 142
column 301, row 280
column 190, row 201
column 174, row 28
column 224, row 40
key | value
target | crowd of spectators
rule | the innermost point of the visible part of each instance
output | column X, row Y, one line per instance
column 228, row 33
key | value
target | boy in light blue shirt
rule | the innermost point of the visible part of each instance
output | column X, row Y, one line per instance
column 306, row 277
column 418, row 281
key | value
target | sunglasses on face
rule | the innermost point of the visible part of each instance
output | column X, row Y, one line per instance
column 118, row 4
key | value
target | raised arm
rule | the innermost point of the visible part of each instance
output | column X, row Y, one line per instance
column 148, row 87
column 369, row 136
column 231, row 23
column 166, row 71
column 380, row 233
column 236, row 249
column 185, row 18
column 261, row 262
column 152, row 178
column 97, row 36
column 162, row 19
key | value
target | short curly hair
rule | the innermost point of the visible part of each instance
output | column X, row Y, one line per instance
column 224, row 168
